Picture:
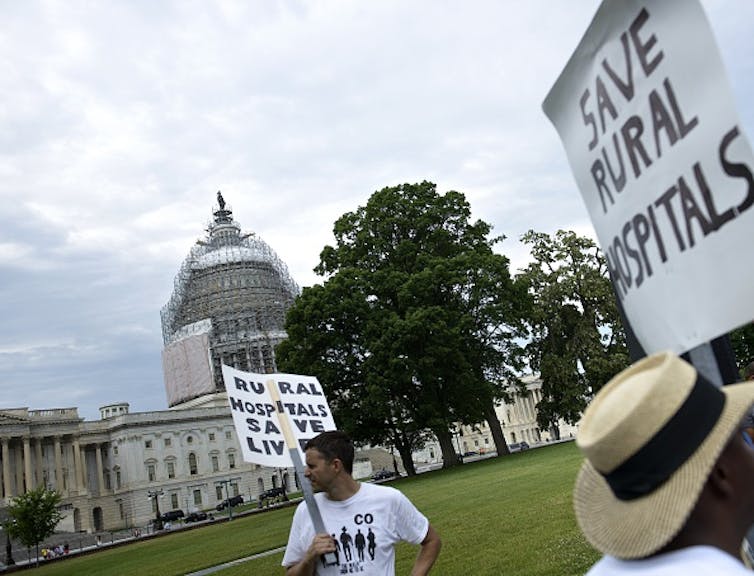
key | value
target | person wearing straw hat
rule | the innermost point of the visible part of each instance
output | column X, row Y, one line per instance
column 666, row 484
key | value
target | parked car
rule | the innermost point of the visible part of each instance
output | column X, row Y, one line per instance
column 518, row 446
column 232, row 501
column 383, row 474
column 171, row 515
column 196, row 516
column 272, row 495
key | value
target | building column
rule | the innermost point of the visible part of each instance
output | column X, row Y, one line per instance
column 29, row 481
column 100, row 473
column 78, row 469
column 7, row 488
column 58, row 465
column 38, row 462
column 19, row 466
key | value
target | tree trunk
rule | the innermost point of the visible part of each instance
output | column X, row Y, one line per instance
column 445, row 439
column 555, row 432
column 404, row 449
column 497, row 430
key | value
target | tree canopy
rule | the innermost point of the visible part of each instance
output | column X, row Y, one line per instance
column 742, row 342
column 577, row 342
column 415, row 325
column 33, row 516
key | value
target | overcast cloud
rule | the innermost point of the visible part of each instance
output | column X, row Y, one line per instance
column 120, row 120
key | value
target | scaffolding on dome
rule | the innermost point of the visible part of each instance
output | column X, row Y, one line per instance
column 228, row 306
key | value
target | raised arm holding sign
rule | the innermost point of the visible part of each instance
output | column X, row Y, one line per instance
column 364, row 520
column 279, row 416
column 274, row 416
column 647, row 120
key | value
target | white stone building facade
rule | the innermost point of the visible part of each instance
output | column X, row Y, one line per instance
column 113, row 473
column 518, row 420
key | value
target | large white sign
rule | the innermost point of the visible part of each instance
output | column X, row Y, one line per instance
column 257, row 417
column 647, row 119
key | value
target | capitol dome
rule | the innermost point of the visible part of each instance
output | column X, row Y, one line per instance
column 228, row 306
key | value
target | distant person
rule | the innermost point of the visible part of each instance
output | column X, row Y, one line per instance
column 348, row 506
column 666, row 487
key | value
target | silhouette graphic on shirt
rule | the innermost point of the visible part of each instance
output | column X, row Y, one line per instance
column 372, row 545
column 360, row 543
column 344, row 550
column 337, row 549
column 345, row 540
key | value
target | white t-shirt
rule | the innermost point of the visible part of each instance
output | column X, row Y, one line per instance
column 365, row 527
column 693, row 561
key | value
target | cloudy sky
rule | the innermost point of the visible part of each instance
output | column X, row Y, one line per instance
column 120, row 120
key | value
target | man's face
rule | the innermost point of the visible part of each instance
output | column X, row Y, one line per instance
column 319, row 471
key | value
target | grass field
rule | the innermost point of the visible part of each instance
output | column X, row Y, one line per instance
column 509, row 516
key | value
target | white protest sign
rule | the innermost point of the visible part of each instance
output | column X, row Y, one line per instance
column 256, row 418
column 646, row 116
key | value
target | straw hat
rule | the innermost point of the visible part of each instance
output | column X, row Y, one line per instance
column 650, row 438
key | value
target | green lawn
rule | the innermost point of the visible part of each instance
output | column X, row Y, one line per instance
column 509, row 516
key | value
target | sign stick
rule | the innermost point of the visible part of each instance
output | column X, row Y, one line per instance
column 303, row 481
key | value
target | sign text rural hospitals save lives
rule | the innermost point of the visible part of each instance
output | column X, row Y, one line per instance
column 631, row 144
column 305, row 417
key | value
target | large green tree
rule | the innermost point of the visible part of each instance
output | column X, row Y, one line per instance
column 33, row 516
column 577, row 342
column 414, row 327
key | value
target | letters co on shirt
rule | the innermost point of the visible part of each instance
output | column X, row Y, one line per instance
column 684, row 209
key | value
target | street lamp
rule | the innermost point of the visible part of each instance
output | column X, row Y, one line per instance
column 225, row 483
column 154, row 495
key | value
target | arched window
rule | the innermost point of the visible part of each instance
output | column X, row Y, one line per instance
column 193, row 469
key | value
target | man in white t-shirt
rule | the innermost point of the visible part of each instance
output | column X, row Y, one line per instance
column 666, row 486
column 363, row 521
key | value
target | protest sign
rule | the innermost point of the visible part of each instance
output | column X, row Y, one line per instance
column 646, row 116
column 256, row 415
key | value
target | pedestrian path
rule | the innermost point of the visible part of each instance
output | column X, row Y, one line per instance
column 235, row 562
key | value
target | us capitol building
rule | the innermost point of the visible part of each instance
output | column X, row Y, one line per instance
column 228, row 306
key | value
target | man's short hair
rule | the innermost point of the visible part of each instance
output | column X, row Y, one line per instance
column 749, row 371
column 334, row 444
